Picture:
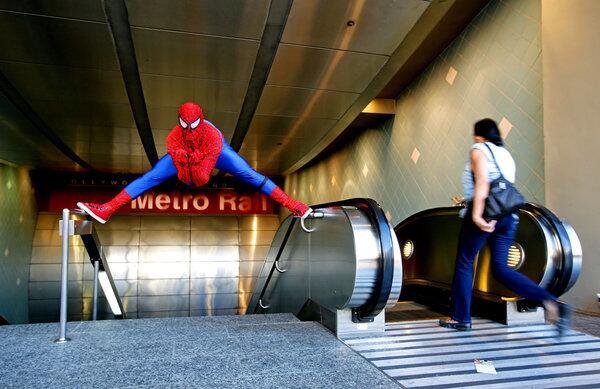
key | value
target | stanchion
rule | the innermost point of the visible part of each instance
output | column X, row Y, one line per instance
column 95, row 296
column 65, row 231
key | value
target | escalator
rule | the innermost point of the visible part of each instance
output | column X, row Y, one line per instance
column 509, row 335
column 354, row 266
column 343, row 274
column 546, row 249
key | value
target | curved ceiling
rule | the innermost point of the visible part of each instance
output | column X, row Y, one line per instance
column 285, row 77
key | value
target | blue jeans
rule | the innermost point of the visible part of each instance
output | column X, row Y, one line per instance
column 471, row 240
column 229, row 161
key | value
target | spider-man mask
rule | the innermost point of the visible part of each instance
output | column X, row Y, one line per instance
column 190, row 115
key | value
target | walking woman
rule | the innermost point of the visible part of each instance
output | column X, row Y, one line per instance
column 488, row 160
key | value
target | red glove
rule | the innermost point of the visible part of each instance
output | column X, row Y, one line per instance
column 296, row 207
column 200, row 168
column 180, row 159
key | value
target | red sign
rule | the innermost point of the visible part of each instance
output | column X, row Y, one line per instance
column 208, row 202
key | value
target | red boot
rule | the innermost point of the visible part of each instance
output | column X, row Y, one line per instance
column 102, row 212
column 296, row 207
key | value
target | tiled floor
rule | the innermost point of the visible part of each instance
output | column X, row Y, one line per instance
column 421, row 354
column 586, row 323
column 259, row 351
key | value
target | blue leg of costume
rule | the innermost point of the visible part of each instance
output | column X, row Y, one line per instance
column 232, row 163
column 229, row 161
column 162, row 171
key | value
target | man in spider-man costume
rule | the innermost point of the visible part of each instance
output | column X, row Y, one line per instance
column 194, row 147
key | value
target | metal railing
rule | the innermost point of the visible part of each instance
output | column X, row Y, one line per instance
column 85, row 229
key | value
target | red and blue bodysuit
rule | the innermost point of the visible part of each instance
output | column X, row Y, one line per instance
column 194, row 147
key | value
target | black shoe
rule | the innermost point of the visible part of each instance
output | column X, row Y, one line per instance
column 564, row 322
column 457, row 325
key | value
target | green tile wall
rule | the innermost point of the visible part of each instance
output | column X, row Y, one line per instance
column 498, row 63
column 18, row 213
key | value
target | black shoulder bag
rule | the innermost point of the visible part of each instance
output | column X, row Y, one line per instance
column 503, row 198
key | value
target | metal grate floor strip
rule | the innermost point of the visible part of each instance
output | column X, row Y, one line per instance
column 421, row 354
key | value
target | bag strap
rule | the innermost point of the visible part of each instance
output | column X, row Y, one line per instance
column 495, row 162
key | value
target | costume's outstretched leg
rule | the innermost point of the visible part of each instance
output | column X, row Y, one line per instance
column 163, row 170
column 232, row 163
column 102, row 212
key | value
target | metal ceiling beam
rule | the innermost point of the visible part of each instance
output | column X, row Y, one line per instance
column 23, row 106
column 276, row 19
column 118, row 22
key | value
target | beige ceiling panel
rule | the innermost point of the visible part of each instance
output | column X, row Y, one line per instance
column 118, row 163
column 234, row 18
column 76, row 9
column 263, row 142
column 285, row 101
column 165, row 118
column 68, row 42
column 268, row 153
column 22, row 144
column 189, row 55
column 64, row 84
column 115, row 148
column 212, row 95
column 380, row 25
column 311, row 67
column 224, row 121
column 83, row 114
column 71, row 133
column 93, row 134
column 117, row 134
column 287, row 126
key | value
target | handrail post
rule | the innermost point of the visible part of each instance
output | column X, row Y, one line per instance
column 65, row 230
column 95, row 294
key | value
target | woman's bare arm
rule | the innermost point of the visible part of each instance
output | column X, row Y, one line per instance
column 481, row 190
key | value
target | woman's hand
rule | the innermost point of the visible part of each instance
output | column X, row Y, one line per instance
column 483, row 224
column 459, row 201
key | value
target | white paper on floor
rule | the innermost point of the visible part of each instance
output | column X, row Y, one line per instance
column 485, row 367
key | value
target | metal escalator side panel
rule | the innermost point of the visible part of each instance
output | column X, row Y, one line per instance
column 339, row 265
column 267, row 266
column 569, row 250
column 349, row 261
column 433, row 236
column 576, row 255
column 320, row 266
column 382, row 289
column 332, row 258
column 367, row 256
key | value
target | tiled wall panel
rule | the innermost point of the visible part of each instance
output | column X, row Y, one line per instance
column 415, row 160
column 162, row 265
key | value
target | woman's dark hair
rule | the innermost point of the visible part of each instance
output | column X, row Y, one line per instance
column 488, row 129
